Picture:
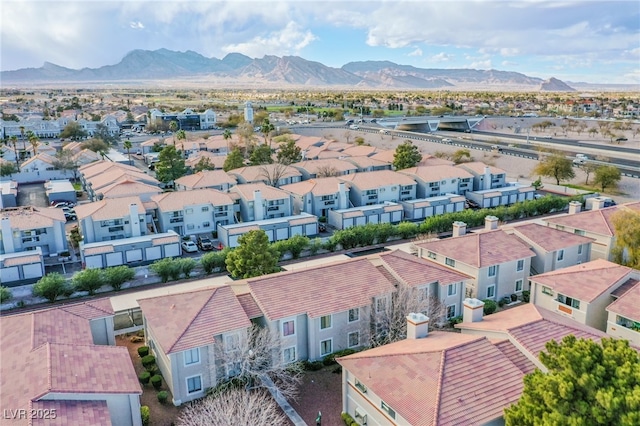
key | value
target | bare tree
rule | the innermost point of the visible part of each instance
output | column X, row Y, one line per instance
column 272, row 173
column 256, row 359
column 233, row 407
column 327, row 171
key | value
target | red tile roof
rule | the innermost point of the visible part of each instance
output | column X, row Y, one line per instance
column 549, row 239
column 442, row 379
column 415, row 271
column 518, row 358
column 188, row 320
column 595, row 221
column 319, row 291
column 481, row 249
column 250, row 306
column 376, row 179
column 628, row 304
column 72, row 413
column 586, row 281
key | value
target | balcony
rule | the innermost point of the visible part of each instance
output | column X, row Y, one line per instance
column 220, row 214
column 329, row 203
column 372, row 197
column 176, row 220
column 273, row 208
column 116, row 229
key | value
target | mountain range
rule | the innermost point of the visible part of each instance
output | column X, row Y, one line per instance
column 236, row 69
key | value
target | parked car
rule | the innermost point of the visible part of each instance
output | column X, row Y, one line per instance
column 205, row 243
column 471, row 205
column 322, row 227
column 446, row 140
column 189, row 246
column 71, row 215
column 622, row 139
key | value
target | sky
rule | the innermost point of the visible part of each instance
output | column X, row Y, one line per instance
column 593, row 41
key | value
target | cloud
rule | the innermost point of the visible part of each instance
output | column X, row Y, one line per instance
column 441, row 57
column 416, row 52
column 136, row 25
column 289, row 40
column 483, row 65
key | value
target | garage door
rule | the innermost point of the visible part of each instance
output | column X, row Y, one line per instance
column 374, row 218
column 439, row 209
column 347, row 223
column 385, row 217
column 114, row 259
column 361, row 221
column 153, row 253
column 10, row 274
column 233, row 241
column 93, row 261
column 296, row 230
column 311, row 229
column 449, row 207
column 32, row 271
column 134, row 255
column 282, row 234
column 396, row 216
column 172, row 250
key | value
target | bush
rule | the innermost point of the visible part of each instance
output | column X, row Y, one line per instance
column 162, row 397
column 144, row 377
column 118, row 275
column 143, row 351
column 186, row 266
column 331, row 358
column 312, row 365
column 489, row 306
column 52, row 286
column 525, row 296
column 148, row 361
column 145, row 414
column 156, row 381
column 501, row 303
column 214, row 260
column 455, row 320
column 165, row 268
column 5, row 294
column 348, row 420
column 89, row 280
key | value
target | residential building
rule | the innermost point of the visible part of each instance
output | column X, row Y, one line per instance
column 498, row 263
column 130, row 251
column 112, row 219
column 39, row 162
column 485, row 177
column 60, row 190
column 128, row 187
column 8, row 193
column 259, row 201
column 623, row 319
column 218, row 145
column 422, row 208
column 194, row 212
column 378, row 187
column 581, row 292
column 554, row 249
column 277, row 229
column 314, row 169
column 187, row 119
column 26, row 228
column 22, row 267
column 318, row 196
column 62, row 361
column 314, row 323
column 596, row 224
column 214, row 160
column 185, row 331
column 436, row 180
column 386, row 212
column 275, row 174
column 95, row 185
column 509, row 193
column 211, row 179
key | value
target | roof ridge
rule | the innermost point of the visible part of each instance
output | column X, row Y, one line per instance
column 443, row 359
column 215, row 290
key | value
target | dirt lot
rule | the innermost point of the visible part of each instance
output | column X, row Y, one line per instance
column 161, row 414
column 321, row 391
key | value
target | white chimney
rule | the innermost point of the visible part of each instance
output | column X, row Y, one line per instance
column 575, row 207
column 7, row 235
column 472, row 310
column 490, row 223
column 487, row 177
column 342, row 196
column 258, row 208
column 134, row 220
column 417, row 326
column 459, row 228
column 597, row 203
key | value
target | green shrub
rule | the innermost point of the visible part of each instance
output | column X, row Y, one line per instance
column 186, row 266
column 489, row 306
column 501, row 303
column 214, row 260
column 455, row 320
column 148, row 361
column 144, row 377
column 312, row 365
column 162, row 397
column 526, row 296
column 5, row 294
column 145, row 414
column 143, row 351
column 331, row 358
column 156, row 381
column 348, row 420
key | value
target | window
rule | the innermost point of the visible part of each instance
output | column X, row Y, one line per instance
column 387, row 409
column 188, row 211
column 520, row 266
column 325, row 322
column 289, row 354
column 547, row 290
column 360, row 386
column 423, row 293
column 580, row 249
column 560, row 255
column 206, row 224
column 569, row 301
column 431, row 255
column 232, row 342
column 518, row 286
column 449, row 262
column 289, row 328
column 354, row 339
column 192, row 356
column 381, row 304
column 190, row 226
column 579, row 232
column 354, row 314
column 451, row 290
column 491, row 292
column 326, row 347
column 205, row 209
column 451, row 311
column 194, row 384
column 492, row 270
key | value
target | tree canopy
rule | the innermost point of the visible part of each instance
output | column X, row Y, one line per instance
column 234, row 160
column 555, row 165
column 607, row 177
column 170, row 165
column 253, row 257
column 626, row 223
column 407, row 155
column 261, row 154
column 51, row 286
column 102, row 132
column 289, row 152
column 73, row 131
column 7, row 168
column 587, row 383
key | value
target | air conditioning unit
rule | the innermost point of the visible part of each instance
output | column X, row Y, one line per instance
column 360, row 417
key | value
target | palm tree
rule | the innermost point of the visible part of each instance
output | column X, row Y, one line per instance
column 181, row 135
column 227, row 135
column 128, row 145
column 173, row 126
column 266, row 130
column 14, row 142
column 34, row 141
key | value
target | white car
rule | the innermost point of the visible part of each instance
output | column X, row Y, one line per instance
column 354, row 127
column 189, row 246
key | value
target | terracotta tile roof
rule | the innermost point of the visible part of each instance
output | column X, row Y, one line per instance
column 326, row 154
column 430, row 160
column 481, row 249
column 216, row 160
column 105, row 179
column 436, row 173
column 305, row 142
column 250, row 306
column 91, row 309
column 388, row 156
column 72, row 413
column 104, row 166
column 22, row 260
column 166, row 240
column 45, row 158
column 188, row 320
column 206, row 179
column 596, row 221
column 628, row 303
column 267, row 192
column 25, row 218
column 253, row 174
column 455, row 384
column 515, row 356
column 127, row 188
column 628, row 285
column 319, row 290
column 314, row 166
column 109, row 208
column 547, row 238
column 366, row 162
column 415, row 271
column 586, row 281
column 90, row 251
column 376, row 179
column 178, row 200
column 359, row 151
column 477, row 168
column 318, row 187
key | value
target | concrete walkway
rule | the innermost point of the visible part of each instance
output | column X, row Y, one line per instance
column 282, row 402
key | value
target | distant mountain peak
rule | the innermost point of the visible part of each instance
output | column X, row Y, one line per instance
column 554, row 85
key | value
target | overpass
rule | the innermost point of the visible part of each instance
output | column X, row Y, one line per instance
column 431, row 123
